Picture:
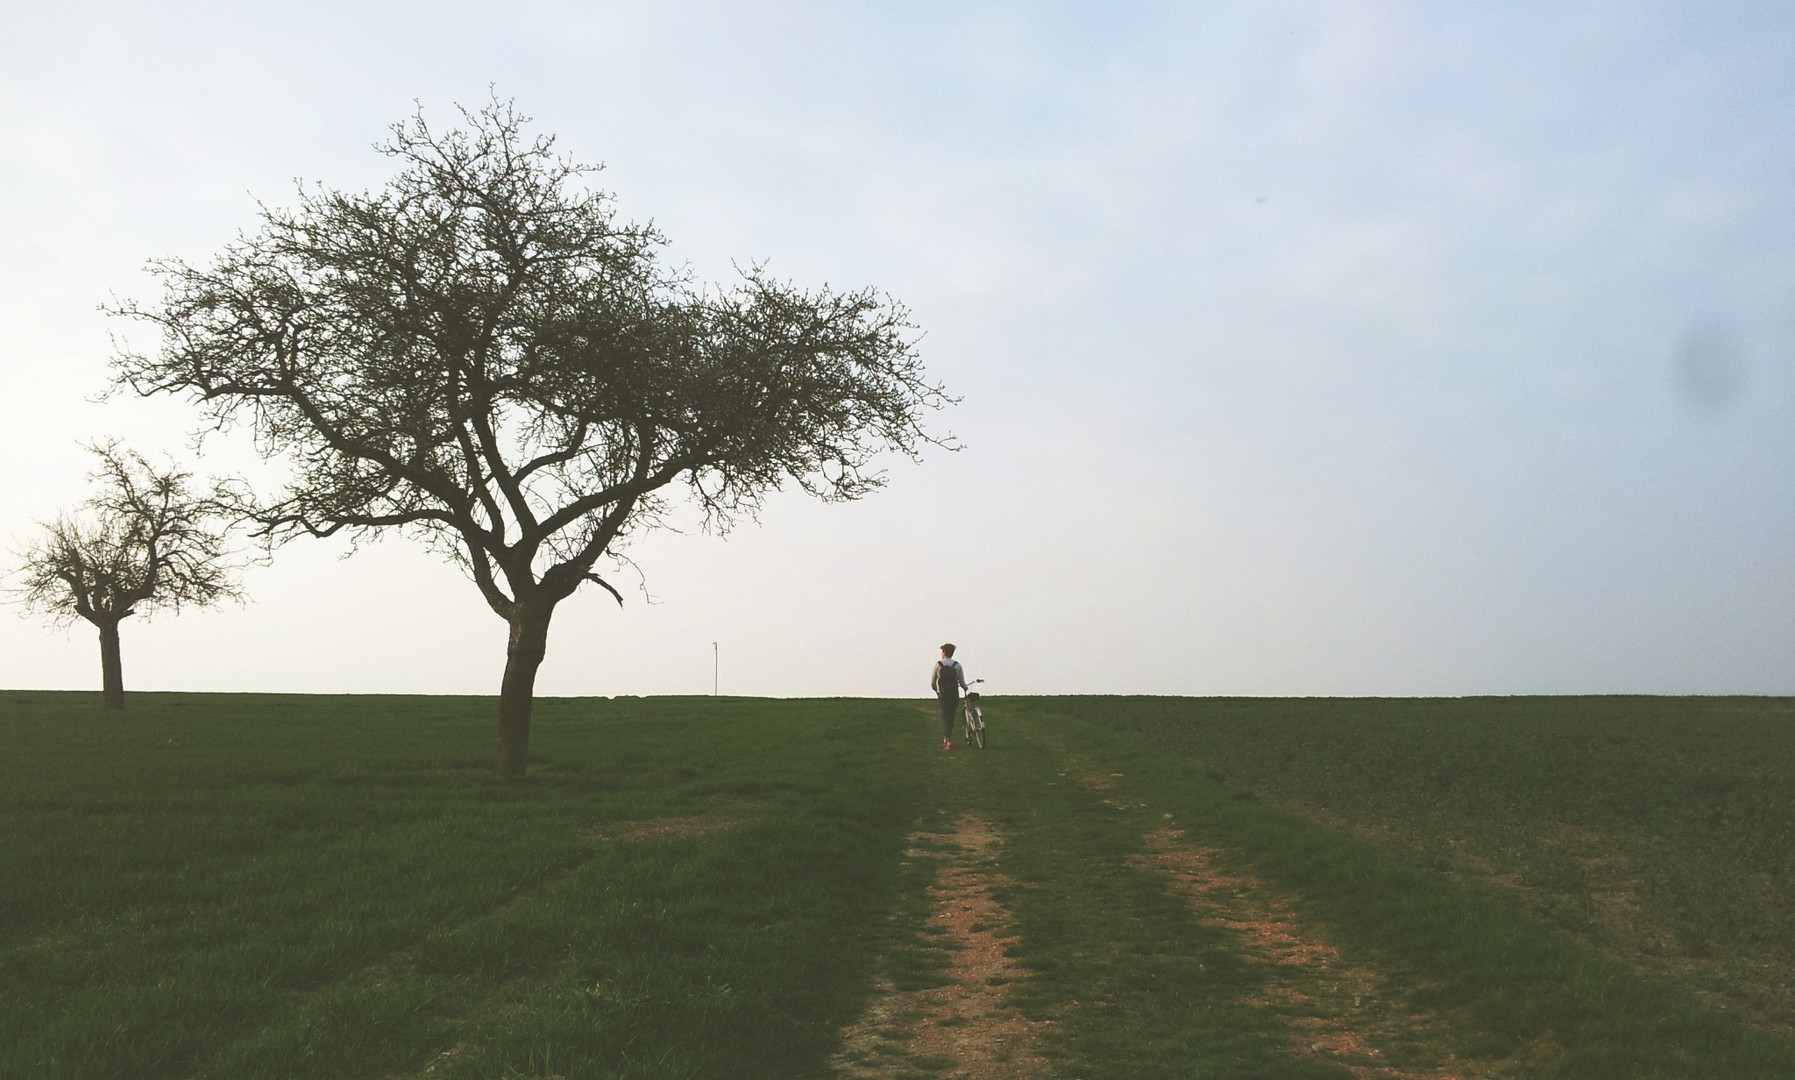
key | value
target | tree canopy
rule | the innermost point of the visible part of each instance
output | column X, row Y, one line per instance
column 143, row 542
column 482, row 354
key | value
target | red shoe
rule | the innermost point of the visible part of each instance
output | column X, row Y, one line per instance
column 947, row 744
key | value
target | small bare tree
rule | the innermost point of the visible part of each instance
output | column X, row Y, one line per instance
column 144, row 542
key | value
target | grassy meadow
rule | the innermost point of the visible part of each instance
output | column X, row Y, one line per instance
column 1660, row 831
column 283, row 886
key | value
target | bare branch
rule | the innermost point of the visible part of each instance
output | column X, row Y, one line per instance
column 606, row 586
column 142, row 542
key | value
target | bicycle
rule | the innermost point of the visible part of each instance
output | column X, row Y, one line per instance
column 975, row 718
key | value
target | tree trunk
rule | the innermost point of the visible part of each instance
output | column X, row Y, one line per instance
column 112, row 669
column 528, row 644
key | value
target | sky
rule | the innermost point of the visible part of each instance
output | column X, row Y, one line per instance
column 1344, row 348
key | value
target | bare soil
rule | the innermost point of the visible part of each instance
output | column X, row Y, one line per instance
column 966, row 1028
column 715, row 820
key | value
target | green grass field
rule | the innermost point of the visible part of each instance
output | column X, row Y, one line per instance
column 261, row 886
column 1661, row 831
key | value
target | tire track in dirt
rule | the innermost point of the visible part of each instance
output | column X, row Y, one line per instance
column 1620, row 928
column 966, row 1028
column 1335, row 1010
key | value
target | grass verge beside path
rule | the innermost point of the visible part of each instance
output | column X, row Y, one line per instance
column 222, row 886
column 1138, row 987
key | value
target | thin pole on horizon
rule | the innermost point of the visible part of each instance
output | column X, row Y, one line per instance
column 716, row 668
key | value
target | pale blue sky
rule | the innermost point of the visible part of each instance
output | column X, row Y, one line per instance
column 1343, row 348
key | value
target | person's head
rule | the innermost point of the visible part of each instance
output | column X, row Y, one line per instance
column 948, row 650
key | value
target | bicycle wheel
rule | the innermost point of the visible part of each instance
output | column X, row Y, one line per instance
column 976, row 731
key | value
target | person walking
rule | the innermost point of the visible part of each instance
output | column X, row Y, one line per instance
column 947, row 682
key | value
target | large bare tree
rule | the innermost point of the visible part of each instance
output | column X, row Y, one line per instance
column 144, row 541
column 481, row 354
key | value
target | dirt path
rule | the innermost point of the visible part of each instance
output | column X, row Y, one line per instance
column 1343, row 1011
column 1619, row 928
column 965, row 1028
column 1334, row 1009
